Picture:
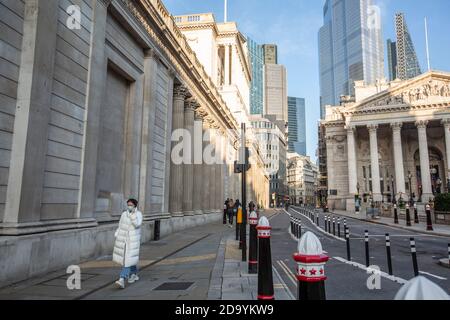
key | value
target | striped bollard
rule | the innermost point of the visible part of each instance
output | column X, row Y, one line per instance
column 388, row 254
column 253, row 244
column 412, row 244
column 334, row 226
column 366, row 245
column 347, row 240
column 339, row 227
column 329, row 224
column 265, row 277
column 310, row 268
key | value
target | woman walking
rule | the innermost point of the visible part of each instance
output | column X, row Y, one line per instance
column 128, row 242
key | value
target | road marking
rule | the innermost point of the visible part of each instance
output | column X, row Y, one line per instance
column 286, row 288
column 432, row 275
column 288, row 272
column 363, row 267
column 320, row 229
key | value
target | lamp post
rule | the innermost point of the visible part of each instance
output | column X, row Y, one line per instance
column 357, row 197
column 433, row 172
column 448, row 181
column 410, row 188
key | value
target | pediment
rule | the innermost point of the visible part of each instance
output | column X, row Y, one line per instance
column 430, row 89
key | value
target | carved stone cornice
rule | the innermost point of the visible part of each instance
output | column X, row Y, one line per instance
column 421, row 124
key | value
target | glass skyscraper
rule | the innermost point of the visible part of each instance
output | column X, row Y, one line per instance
column 392, row 59
column 350, row 48
column 296, row 125
column 407, row 63
column 257, row 86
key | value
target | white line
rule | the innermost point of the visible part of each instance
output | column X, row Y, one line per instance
column 432, row 275
column 288, row 272
column 320, row 229
column 360, row 266
column 286, row 287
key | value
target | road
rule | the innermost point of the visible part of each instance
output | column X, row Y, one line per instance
column 349, row 282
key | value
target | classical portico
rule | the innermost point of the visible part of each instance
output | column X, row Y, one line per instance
column 394, row 142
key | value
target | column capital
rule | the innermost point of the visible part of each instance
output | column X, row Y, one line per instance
column 350, row 129
column 151, row 53
column 446, row 122
column 422, row 124
column 372, row 127
column 200, row 113
column 396, row 126
column 180, row 92
column 191, row 104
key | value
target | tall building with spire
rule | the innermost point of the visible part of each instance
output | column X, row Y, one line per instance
column 407, row 63
column 350, row 48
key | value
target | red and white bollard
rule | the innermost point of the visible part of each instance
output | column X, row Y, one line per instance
column 429, row 223
column 310, row 268
column 265, row 277
column 253, row 245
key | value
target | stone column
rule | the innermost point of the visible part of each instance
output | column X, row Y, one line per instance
column 199, row 178
column 212, row 173
column 352, row 166
column 34, row 90
column 188, row 166
column 398, row 158
column 376, row 188
column 219, row 171
column 330, row 165
column 206, row 173
column 427, row 192
column 446, row 123
column 176, row 176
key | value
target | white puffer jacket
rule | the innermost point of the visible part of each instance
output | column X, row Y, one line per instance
column 128, row 239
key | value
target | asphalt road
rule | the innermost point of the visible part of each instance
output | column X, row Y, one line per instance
column 349, row 282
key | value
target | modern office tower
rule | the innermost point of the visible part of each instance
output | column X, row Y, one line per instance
column 256, row 53
column 408, row 64
column 296, row 126
column 270, row 54
column 275, row 91
column 350, row 48
column 392, row 59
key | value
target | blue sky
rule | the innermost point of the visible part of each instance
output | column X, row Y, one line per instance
column 293, row 26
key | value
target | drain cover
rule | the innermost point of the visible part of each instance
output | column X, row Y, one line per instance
column 174, row 286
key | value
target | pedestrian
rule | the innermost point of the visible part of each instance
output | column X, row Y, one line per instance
column 230, row 211
column 128, row 242
column 237, row 204
column 225, row 209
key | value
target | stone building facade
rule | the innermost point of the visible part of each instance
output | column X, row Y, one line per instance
column 390, row 139
column 86, row 121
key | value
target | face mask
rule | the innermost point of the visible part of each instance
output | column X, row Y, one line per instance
column 130, row 209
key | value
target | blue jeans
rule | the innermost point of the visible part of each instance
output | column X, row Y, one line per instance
column 127, row 271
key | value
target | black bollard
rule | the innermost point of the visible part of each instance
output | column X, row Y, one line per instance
column 345, row 223
column 310, row 268
column 416, row 216
column 253, row 245
column 299, row 229
column 339, row 227
column 296, row 227
column 347, row 240
column 448, row 255
column 329, row 224
column 429, row 222
column 292, row 225
column 317, row 218
column 388, row 254
column 395, row 214
column 265, row 277
column 334, row 226
column 408, row 216
column 412, row 243
column 224, row 214
column 366, row 245
column 326, row 223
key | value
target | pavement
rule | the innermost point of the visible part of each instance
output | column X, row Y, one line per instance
column 201, row 263
column 421, row 227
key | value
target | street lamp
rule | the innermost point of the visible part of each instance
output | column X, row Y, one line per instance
column 410, row 189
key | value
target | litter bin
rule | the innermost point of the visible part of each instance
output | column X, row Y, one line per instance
column 157, row 230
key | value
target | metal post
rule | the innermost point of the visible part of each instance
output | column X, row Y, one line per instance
column 244, row 195
column 339, row 227
column 329, row 224
column 366, row 241
column 408, row 216
column 395, row 214
column 388, row 254
column 412, row 243
column 416, row 216
column 429, row 222
column 347, row 240
column 253, row 245
column 326, row 224
column 334, row 226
